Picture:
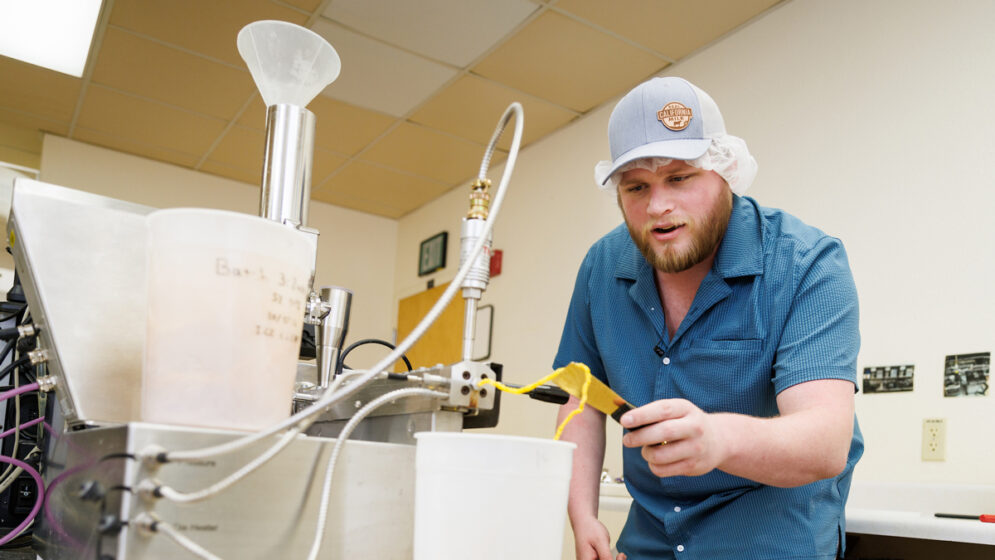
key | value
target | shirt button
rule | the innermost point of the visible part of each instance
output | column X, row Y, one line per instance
column 666, row 361
column 677, row 508
column 680, row 548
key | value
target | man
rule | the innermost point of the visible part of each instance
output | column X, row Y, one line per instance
column 733, row 330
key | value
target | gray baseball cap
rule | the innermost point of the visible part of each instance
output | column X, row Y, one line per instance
column 664, row 117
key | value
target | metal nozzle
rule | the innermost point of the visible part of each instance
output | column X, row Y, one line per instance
column 332, row 330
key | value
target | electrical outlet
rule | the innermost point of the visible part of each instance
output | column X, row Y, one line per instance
column 934, row 439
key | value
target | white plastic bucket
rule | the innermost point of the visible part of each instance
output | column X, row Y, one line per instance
column 226, row 298
column 490, row 497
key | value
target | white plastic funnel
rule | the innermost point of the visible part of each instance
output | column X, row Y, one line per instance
column 290, row 64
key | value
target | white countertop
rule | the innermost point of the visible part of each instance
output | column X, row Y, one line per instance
column 868, row 518
column 917, row 525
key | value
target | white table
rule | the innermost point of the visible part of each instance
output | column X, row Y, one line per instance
column 893, row 509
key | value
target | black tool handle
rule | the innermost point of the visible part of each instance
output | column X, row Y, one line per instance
column 550, row 394
column 622, row 409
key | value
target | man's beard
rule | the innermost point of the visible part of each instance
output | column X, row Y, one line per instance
column 706, row 234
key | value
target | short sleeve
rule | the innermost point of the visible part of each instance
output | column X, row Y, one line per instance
column 578, row 342
column 821, row 336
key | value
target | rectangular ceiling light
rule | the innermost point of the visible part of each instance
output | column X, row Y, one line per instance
column 55, row 34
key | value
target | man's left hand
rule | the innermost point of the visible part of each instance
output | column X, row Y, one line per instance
column 677, row 437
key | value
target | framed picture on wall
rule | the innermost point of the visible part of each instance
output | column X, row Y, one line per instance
column 966, row 374
column 889, row 379
column 432, row 254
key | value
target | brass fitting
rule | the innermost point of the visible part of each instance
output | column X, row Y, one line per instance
column 480, row 199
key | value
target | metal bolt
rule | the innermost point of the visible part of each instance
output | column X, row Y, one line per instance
column 109, row 525
column 483, row 393
column 466, row 375
column 465, row 390
column 47, row 383
column 90, row 491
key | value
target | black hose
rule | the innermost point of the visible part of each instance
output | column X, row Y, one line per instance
column 11, row 333
column 15, row 364
column 341, row 362
column 6, row 350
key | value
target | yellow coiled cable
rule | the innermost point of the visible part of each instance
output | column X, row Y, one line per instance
column 522, row 390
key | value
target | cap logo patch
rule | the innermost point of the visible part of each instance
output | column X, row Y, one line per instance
column 675, row 116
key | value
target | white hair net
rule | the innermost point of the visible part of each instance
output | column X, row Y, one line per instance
column 727, row 155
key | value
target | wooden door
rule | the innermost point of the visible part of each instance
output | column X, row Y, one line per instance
column 443, row 342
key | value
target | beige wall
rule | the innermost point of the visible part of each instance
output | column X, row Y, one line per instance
column 355, row 249
column 870, row 120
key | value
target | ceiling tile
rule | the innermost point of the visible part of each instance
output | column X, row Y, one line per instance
column 689, row 25
column 362, row 205
column 21, row 138
column 20, row 145
column 309, row 5
column 339, row 127
column 426, row 152
column 254, row 115
column 380, row 77
column 324, row 164
column 241, row 147
column 472, row 106
column 373, row 189
column 569, row 63
column 230, row 172
column 239, row 156
column 209, row 27
column 24, row 120
column 453, row 31
column 134, row 147
column 37, row 91
column 345, row 128
column 148, row 122
column 152, row 70
column 30, row 160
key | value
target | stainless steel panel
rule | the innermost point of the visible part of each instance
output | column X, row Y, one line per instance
column 398, row 428
column 270, row 514
column 81, row 259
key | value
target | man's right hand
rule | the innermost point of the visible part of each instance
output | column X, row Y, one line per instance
column 591, row 540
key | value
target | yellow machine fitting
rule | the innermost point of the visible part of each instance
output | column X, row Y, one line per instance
column 480, row 199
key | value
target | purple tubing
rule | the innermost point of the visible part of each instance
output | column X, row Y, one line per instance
column 41, row 493
column 14, row 392
column 23, row 426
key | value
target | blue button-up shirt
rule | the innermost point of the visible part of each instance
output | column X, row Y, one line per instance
column 777, row 308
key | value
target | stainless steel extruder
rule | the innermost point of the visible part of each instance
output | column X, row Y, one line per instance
column 81, row 260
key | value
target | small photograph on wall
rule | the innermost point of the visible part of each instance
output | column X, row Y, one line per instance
column 888, row 379
column 966, row 375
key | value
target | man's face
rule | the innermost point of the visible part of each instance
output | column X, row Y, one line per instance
column 676, row 215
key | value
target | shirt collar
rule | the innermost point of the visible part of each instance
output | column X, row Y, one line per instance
column 630, row 261
column 740, row 253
